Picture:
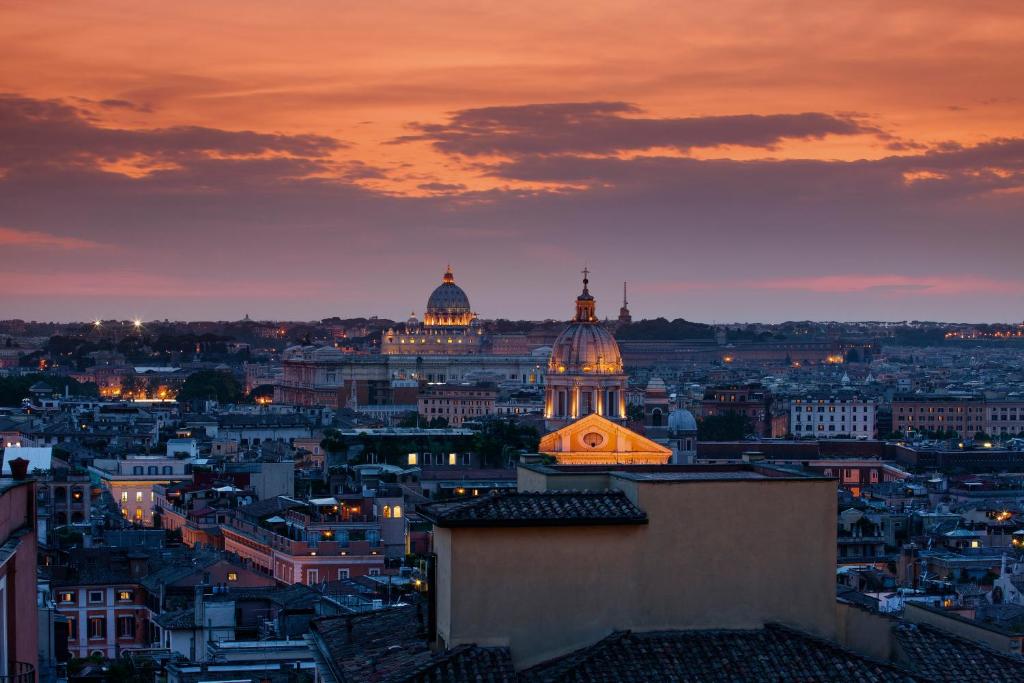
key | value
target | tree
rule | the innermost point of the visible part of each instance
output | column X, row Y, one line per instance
column 211, row 385
column 729, row 427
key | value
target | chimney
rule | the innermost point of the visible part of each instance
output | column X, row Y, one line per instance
column 200, row 607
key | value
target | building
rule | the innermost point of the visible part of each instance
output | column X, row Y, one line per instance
column 752, row 401
column 131, row 481
column 456, row 403
column 19, row 633
column 100, row 596
column 449, row 326
column 324, row 539
column 596, row 440
column 828, row 416
column 654, row 530
column 965, row 415
column 585, row 372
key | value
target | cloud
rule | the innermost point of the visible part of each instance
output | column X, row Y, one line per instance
column 42, row 134
column 609, row 127
column 12, row 237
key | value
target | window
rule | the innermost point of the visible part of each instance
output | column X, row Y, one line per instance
column 374, row 572
column 168, row 469
column 412, row 459
column 451, row 458
column 66, row 597
column 153, row 469
column 465, row 458
column 232, row 576
column 95, row 597
column 312, row 576
column 72, row 628
column 387, row 512
column 126, row 627
column 124, row 496
column 397, row 511
column 125, row 596
column 138, row 496
column 97, row 627
column 342, row 574
column 138, row 514
column 137, row 470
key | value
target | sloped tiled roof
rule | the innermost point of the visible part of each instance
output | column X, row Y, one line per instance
column 390, row 646
column 941, row 656
column 772, row 654
column 545, row 508
column 462, row 664
column 373, row 646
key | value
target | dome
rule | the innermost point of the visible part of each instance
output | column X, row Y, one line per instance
column 448, row 304
column 585, row 346
column 656, row 385
column 448, row 297
column 681, row 421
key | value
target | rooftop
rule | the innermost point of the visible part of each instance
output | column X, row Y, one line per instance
column 775, row 653
column 546, row 508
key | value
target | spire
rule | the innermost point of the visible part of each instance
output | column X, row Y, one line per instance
column 624, row 317
column 448, row 277
column 585, row 302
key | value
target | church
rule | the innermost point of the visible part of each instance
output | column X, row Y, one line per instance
column 585, row 397
column 449, row 327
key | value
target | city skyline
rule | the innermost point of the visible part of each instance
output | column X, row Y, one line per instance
column 732, row 164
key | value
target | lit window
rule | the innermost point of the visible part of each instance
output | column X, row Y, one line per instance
column 451, row 458
column 412, row 458
column 66, row 597
column 387, row 512
column 232, row 576
column 138, row 496
column 124, row 596
column 397, row 512
column 138, row 514
column 124, row 496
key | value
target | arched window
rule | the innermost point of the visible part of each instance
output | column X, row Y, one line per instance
column 656, row 417
column 168, row 469
column 387, row 512
column 137, row 469
column 153, row 469
column 397, row 512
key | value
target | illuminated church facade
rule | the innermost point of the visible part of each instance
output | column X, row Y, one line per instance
column 585, row 374
column 449, row 327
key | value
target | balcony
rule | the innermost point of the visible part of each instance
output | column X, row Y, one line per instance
column 19, row 672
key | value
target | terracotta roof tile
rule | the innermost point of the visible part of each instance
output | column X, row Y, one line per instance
column 537, row 509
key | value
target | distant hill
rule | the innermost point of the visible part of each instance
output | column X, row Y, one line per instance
column 661, row 328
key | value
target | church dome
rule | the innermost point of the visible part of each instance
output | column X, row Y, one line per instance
column 448, row 304
column 681, row 421
column 585, row 346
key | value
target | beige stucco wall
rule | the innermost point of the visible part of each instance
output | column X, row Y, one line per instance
column 867, row 633
column 722, row 554
column 1003, row 643
column 529, row 480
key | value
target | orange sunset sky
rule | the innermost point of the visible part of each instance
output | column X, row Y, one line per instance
column 732, row 161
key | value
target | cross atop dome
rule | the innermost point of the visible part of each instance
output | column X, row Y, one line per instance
column 585, row 302
column 448, row 277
